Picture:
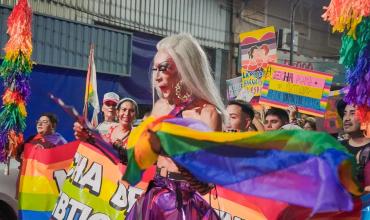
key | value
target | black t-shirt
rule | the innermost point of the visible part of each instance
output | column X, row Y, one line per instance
column 354, row 150
column 362, row 155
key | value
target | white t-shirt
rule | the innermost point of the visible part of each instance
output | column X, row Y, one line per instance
column 105, row 126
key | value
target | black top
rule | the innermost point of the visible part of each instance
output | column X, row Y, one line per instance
column 363, row 153
column 354, row 150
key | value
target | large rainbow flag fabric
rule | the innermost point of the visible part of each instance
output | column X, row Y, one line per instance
column 42, row 174
column 48, row 187
column 307, row 169
column 94, row 188
column 71, row 181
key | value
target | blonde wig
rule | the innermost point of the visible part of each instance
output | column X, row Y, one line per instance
column 193, row 68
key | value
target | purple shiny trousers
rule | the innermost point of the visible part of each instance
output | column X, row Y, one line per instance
column 169, row 199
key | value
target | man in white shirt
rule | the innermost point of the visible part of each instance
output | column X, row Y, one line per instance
column 110, row 101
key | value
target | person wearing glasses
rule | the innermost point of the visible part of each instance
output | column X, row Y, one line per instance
column 181, row 76
column 46, row 136
column 110, row 101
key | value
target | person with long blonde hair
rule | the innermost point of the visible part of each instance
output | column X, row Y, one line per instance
column 185, row 88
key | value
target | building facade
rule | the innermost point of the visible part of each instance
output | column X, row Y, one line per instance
column 124, row 33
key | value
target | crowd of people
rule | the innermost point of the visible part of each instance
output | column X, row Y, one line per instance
column 184, row 86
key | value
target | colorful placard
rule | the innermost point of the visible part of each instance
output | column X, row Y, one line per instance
column 257, row 49
column 331, row 123
column 306, row 89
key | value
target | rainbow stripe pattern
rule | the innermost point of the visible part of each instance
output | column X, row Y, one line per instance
column 288, row 85
column 346, row 15
column 38, row 187
column 15, row 71
column 352, row 18
column 111, row 170
column 299, row 167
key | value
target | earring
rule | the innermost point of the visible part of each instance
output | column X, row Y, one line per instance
column 178, row 89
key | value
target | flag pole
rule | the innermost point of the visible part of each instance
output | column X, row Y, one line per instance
column 87, row 87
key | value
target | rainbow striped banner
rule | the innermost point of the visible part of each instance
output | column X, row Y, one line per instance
column 307, row 89
column 42, row 174
column 77, row 180
column 94, row 188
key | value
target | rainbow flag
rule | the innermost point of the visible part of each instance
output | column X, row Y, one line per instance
column 97, row 190
column 303, row 168
column 100, row 191
column 73, row 192
column 91, row 91
column 42, row 175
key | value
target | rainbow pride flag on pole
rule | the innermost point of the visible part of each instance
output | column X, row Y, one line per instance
column 303, row 168
column 42, row 175
column 91, row 91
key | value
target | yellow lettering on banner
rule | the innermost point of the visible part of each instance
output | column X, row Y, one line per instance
column 295, row 89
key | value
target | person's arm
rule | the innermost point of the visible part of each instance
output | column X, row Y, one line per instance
column 79, row 132
column 258, row 124
column 210, row 116
column 292, row 111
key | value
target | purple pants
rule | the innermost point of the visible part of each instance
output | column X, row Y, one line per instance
column 170, row 199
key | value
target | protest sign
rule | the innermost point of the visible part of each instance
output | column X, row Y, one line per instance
column 307, row 89
column 234, row 87
column 257, row 48
column 331, row 123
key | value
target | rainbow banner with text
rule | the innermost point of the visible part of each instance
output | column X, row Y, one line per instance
column 42, row 175
column 93, row 189
column 307, row 89
column 59, row 183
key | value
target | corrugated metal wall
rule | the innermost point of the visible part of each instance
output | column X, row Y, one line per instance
column 207, row 20
column 64, row 43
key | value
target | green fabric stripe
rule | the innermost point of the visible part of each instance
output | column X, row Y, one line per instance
column 288, row 140
column 133, row 171
column 37, row 202
column 97, row 204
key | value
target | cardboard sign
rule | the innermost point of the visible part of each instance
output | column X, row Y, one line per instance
column 234, row 87
column 258, row 48
column 307, row 89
